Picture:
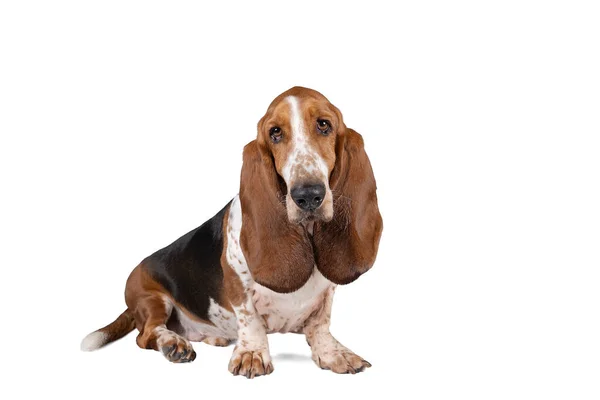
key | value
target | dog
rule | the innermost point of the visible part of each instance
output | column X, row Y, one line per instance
column 306, row 219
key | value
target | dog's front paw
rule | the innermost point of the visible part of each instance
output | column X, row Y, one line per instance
column 250, row 363
column 340, row 360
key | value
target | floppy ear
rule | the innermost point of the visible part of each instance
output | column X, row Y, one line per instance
column 279, row 254
column 346, row 247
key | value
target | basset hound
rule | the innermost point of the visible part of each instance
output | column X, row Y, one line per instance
column 305, row 220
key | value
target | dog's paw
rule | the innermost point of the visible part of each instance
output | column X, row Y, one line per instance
column 341, row 361
column 250, row 363
column 176, row 348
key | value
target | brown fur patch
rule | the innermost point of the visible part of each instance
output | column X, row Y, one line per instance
column 346, row 247
column 217, row 341
column 278, row 253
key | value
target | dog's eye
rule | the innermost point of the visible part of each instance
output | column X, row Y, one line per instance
column 276, row 134
column 323, row 126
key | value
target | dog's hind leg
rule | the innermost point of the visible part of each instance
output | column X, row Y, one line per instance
column 151, row 310
column 155, row 335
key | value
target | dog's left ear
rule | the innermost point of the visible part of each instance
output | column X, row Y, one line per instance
column 346, row 247
column 279, row 254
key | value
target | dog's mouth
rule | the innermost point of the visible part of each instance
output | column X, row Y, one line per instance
column 299, row 216
column 310, row 217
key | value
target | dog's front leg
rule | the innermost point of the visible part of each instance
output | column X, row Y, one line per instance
column 327, row 352
column 251, row 354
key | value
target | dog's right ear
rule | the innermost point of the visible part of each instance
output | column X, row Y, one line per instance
column 346, row 247
column 279, row 254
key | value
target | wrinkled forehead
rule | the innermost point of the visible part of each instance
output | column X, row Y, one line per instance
column 286, row 108
column 279, row 113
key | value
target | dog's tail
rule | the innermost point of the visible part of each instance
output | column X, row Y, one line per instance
column 120, row 327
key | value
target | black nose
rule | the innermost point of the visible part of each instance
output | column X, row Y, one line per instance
column 308, row 197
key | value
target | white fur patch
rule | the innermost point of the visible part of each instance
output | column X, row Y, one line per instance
column 251, row 330
column 94, row 341
column 224, row 324
column 303, row 159
column 235, row 256
column 164, row 335
column 286, row 312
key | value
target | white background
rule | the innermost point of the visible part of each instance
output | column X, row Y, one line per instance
column 122, row 128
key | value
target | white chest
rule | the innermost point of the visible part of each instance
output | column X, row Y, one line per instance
column 280, row 312
column 286, row 312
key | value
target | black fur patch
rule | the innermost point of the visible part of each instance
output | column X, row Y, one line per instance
column 190, row 267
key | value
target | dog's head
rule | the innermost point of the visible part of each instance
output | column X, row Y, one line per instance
column 306, row 170
column 299, row 133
